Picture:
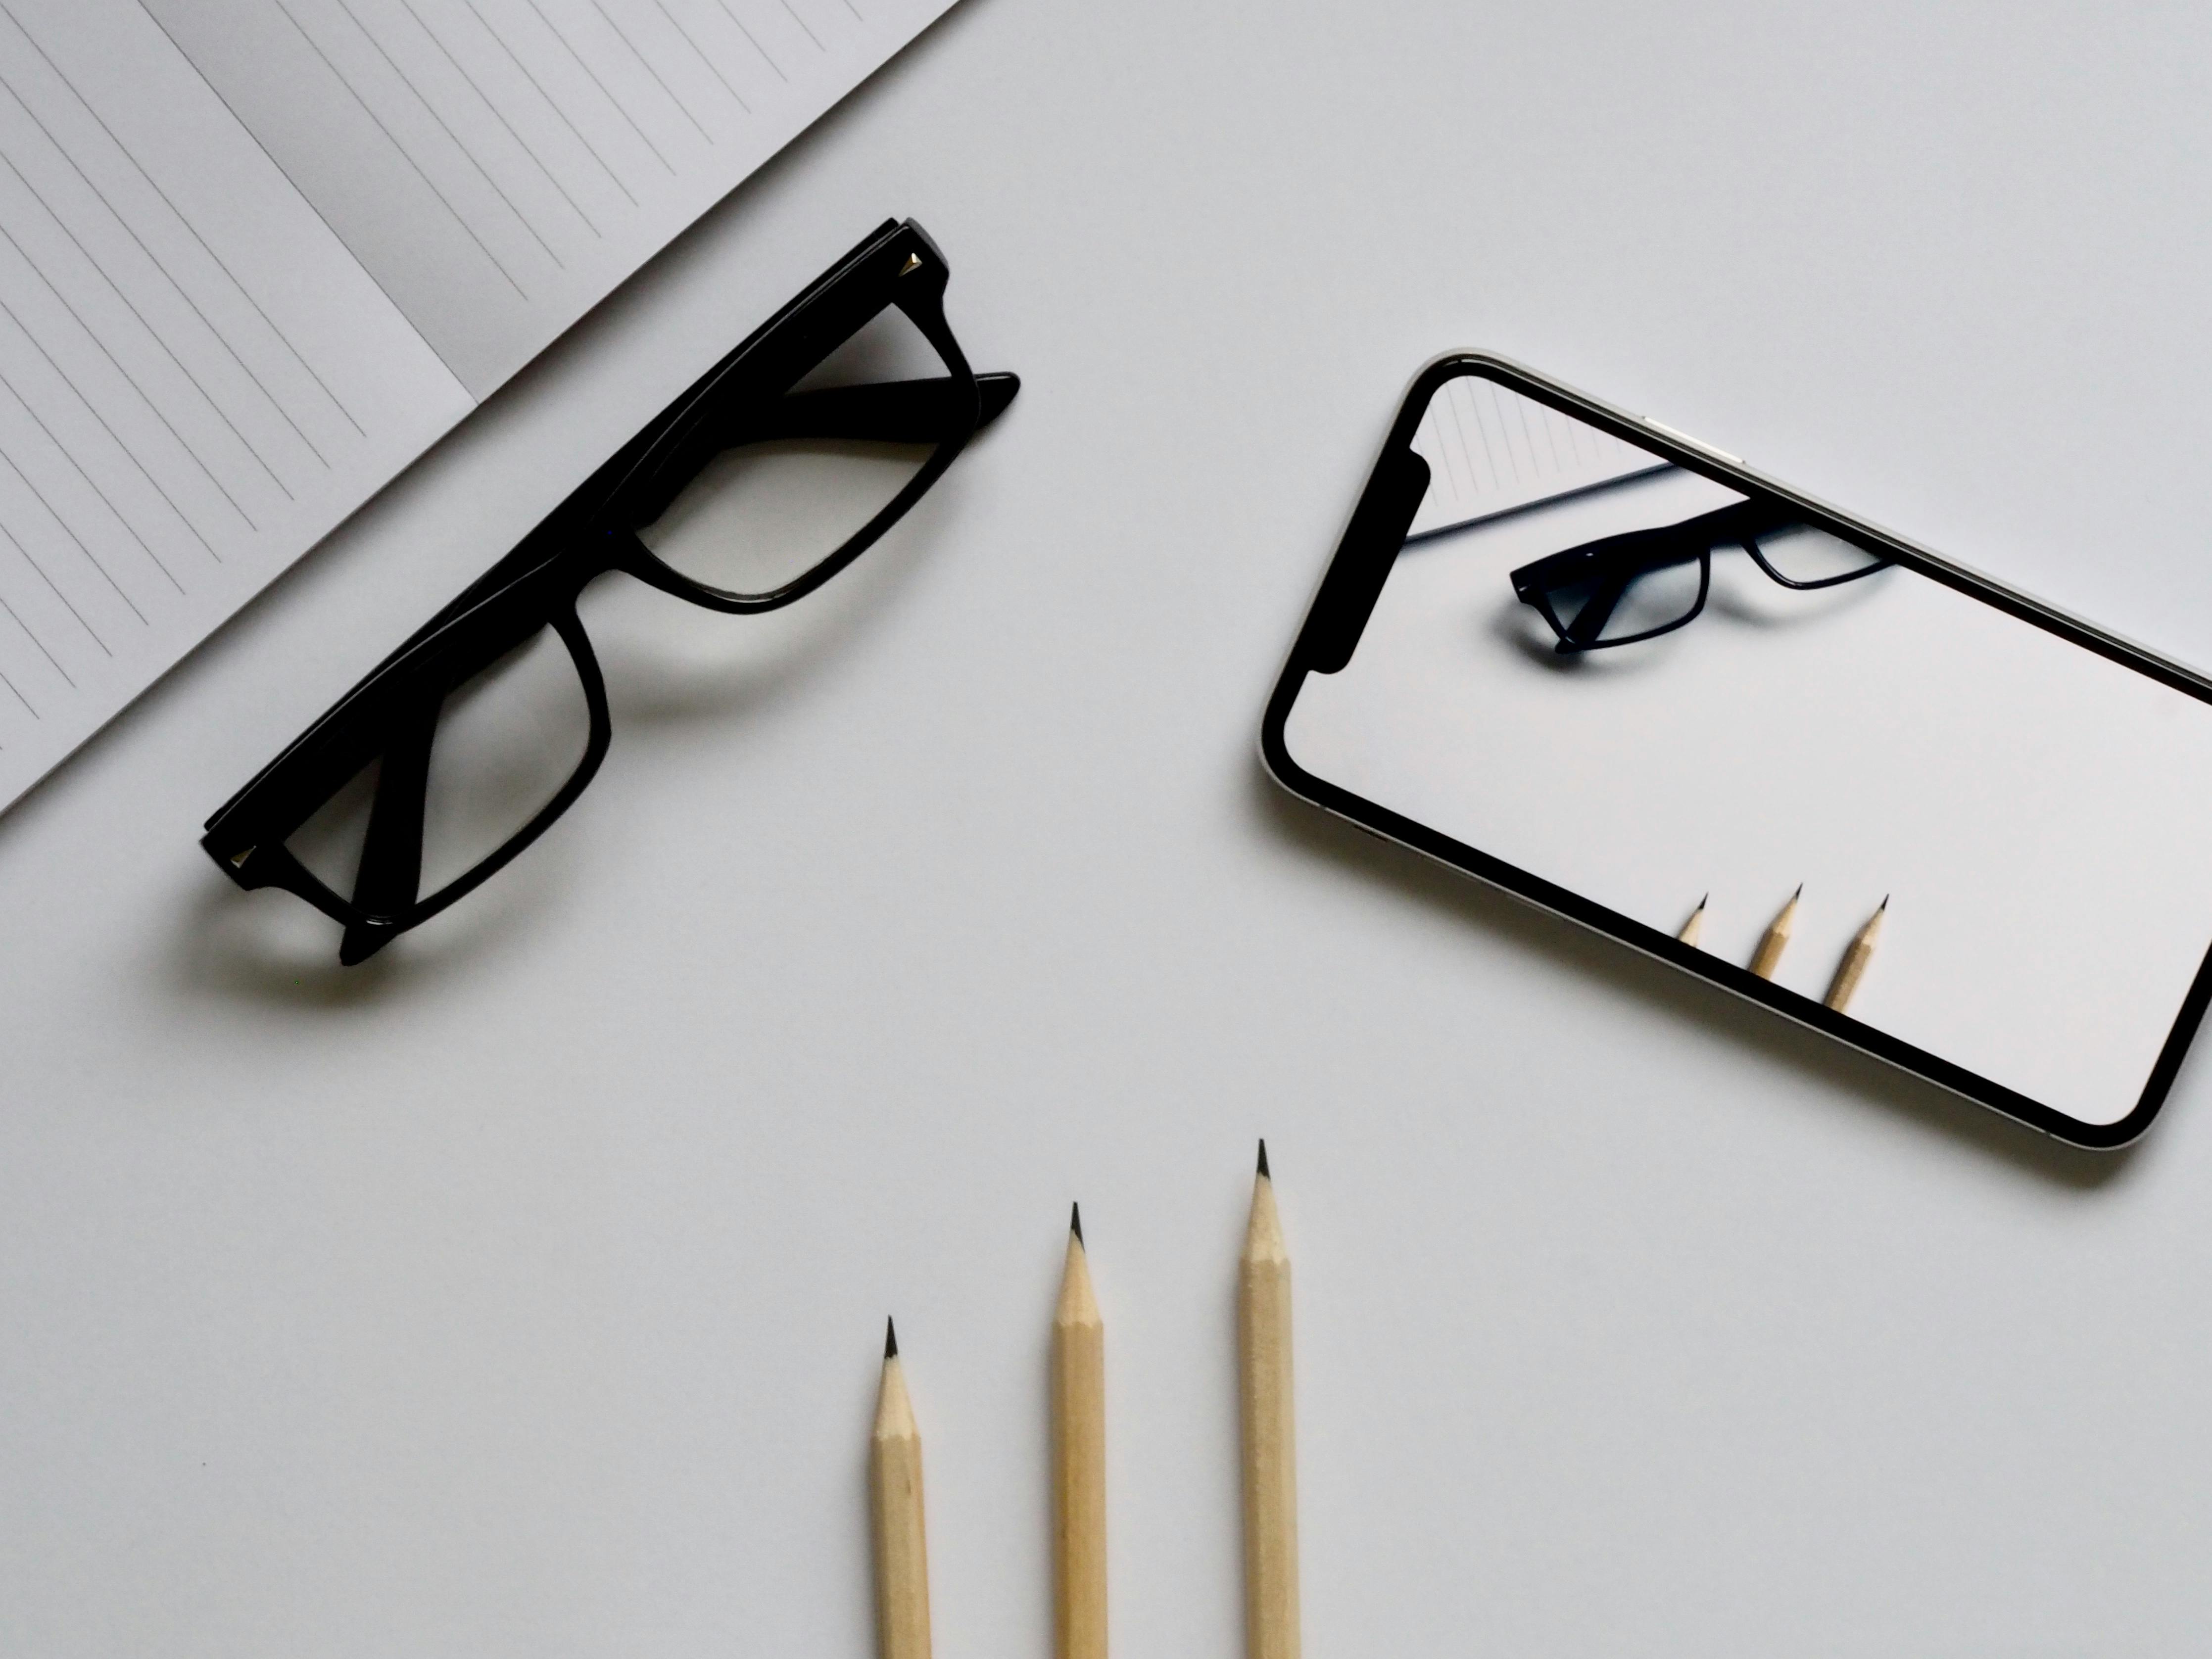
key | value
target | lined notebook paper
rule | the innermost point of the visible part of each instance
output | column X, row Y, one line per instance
column 1490, row 451
column 257, row 255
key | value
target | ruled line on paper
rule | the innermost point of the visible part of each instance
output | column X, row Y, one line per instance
column 499, row 165
column 108, row 278
column 404, row 153
column 232, row 304
column 175, row 218
column 16, row 466
column 431, row 109
column 804, row 27
column 156, row 261
column 115, row 437
column 552, row 103
column 713, row 68
column 28, row 633
column 1490, row 450
column 648, row 66
column 795, row 17
column 152, row 414
column 605, row 91
column 500, row 115
column 460, row 94
column 122, row 522
column 46, row 576
column 94, row 336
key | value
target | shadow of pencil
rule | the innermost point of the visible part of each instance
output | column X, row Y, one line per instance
column 1843, row 1068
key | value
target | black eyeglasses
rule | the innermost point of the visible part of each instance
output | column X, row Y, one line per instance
column 1621, row 589
column 831, row 467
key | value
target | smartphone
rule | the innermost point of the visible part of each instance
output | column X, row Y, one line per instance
column 1611, row 669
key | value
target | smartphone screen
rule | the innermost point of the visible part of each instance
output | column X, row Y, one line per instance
column 1621, row 675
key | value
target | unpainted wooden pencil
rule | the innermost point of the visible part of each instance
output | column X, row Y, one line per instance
column 895, row 1514
column 1271, row 1464
column 1776, row 939
column 1694, row 929
column 1079, row 1459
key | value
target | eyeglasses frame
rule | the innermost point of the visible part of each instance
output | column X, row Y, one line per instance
column 1621, row 559
column 392, row 713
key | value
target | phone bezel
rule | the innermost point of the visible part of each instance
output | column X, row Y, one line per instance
column 1355, row 577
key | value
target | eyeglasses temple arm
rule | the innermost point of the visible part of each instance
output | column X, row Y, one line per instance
column 392, row 852
column 891, row 411
column 1597, row 610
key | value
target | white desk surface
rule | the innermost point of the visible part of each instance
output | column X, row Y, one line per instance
column 521, row 1293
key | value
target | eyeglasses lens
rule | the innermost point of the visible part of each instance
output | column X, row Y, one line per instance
column 765, row 512
column 1812, row 558
column 505, row 742
column 1625, row 605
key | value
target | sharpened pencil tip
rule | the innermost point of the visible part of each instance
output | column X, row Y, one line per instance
column 1075, row 1221
column 890, row 1339
column 1883, row 906
column 1704, row 901
column 1799, row 894
column 1263, row 1159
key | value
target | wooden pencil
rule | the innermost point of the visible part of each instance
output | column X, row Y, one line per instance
column 1694, row 929
column 1270, row 1465
column 1776, row 939
column 1079, row 1459
column 1856, row 955
column 895, row 1506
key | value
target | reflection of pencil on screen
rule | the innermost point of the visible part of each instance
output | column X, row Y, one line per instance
column 1694, row 929
column 1856, row 955
column 1776, row 940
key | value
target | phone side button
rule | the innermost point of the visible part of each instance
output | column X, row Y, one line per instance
column 1694, row 443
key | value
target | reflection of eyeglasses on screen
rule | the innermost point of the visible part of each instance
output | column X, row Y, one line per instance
column 1621, row 589
column 820, row 471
